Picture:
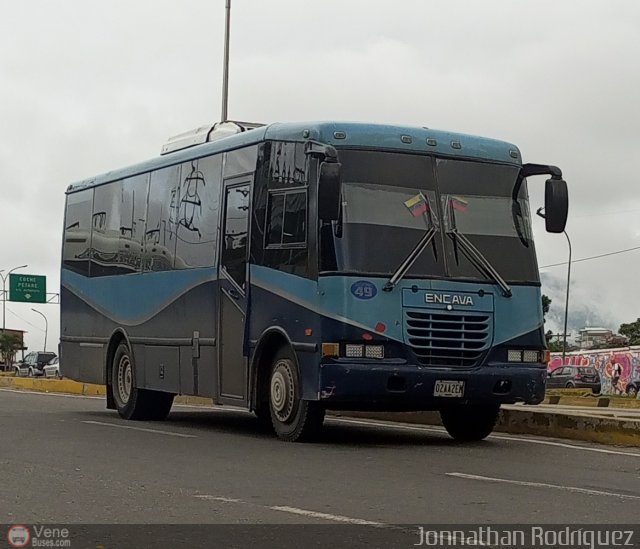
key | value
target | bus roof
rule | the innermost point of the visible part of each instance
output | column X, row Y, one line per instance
column 339, row 134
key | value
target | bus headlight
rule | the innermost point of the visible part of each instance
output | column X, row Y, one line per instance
column 374, row 351
column 531, row 356
column 516, row 355
column 352, row 350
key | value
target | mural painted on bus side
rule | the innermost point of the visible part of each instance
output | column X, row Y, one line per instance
column 605, row 361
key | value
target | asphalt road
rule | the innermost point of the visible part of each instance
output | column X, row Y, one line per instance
column 67, row 459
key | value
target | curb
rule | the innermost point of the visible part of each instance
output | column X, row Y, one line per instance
column 41, row 385
column 570, row 425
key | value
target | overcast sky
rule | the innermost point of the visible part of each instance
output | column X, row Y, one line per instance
column 88, row 86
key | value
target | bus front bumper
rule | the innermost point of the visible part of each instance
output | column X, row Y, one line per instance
column 377, row 386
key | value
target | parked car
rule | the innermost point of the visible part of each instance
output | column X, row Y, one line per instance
column 34, row 363
column 574, row 377
column 633, row 387
column 52, row 368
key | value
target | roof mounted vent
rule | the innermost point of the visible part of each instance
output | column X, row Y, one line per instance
column 203, row 134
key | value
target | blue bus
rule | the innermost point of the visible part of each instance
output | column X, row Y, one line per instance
column 296, row 268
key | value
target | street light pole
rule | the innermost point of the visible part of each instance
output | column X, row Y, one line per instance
column 46, row 327
column 4, row 292
column 566, row 303
column 225, row 73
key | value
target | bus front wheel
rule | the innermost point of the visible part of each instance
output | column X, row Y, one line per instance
column 293, row 419
column 131, row 402
column 469, row 423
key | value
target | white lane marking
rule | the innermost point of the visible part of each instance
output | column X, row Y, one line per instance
column 304, row 512
column 543, row 485
column 494, row 436
column 42, row 393
column 219, row 498
column 143, row 429
column 328, row 516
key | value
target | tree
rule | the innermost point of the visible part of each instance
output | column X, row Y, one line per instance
column 9, row 344
column 546, row 303
column 632, row 331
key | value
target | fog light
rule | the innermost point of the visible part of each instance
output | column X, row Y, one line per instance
column 531, row 356
column 514, row 356
column 353, row 351
column 374, row 351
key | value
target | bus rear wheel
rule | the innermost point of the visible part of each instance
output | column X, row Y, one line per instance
column 293, row 419
column 470, row 423
column 131, row 402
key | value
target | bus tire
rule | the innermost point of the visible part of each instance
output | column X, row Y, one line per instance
column 470, row 423
column 293, row 419
column 131, row 402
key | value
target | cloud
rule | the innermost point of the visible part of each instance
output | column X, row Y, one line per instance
column 89, row 87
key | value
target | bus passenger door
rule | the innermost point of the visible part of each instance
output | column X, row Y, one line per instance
column 234, row 285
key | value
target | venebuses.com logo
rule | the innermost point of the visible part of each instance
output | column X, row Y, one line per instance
column 18, row 536
column 37, row 535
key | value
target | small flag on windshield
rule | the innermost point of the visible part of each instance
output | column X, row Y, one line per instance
column 417, row 205
column 458, row 204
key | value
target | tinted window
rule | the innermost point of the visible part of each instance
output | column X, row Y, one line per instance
column 287, row 167
column 105, row 237
column 197, row 213
column 160, row 235
column 388, row 203
column 276, row 160
column 77, row 232
column 240, row 162
column 287, row 220
column 276, row 215
column 477, row 201
column 234, row 251
column 133, row 211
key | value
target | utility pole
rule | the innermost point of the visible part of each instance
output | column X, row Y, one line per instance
column 225, row 73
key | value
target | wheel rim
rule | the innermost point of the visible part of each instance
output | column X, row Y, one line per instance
column 632, row 391
column 283, row 391
column 124, row 379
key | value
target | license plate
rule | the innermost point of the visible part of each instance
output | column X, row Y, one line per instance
column 451, row 389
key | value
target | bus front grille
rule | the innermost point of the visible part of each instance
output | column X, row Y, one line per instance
column 448, row 339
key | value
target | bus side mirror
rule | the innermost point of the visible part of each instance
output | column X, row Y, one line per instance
column 329, row 191
column 556, row 204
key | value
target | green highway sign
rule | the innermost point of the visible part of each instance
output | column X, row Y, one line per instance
column 27, row 288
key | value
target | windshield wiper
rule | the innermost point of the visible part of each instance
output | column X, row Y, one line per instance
column 480, row 262
column 410, row 260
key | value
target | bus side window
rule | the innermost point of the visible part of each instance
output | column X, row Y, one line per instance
column 286, row 231
column 77, row 232
column 196, row 213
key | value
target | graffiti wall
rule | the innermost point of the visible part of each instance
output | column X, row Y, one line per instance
column 605, row 361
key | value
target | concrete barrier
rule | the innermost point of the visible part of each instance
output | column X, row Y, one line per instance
column 528, row 420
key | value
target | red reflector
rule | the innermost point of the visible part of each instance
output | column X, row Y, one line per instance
column 380, row 327
column 367, row 337
column 308, row 332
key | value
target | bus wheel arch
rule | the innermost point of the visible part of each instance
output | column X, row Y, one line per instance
column 269, row 344
column 293, row 418
column 118, row 337
column 123, row 393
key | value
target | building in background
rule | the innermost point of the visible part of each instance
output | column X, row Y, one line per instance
column 599, row 338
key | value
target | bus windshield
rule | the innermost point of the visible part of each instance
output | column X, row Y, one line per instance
column 390, row 201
